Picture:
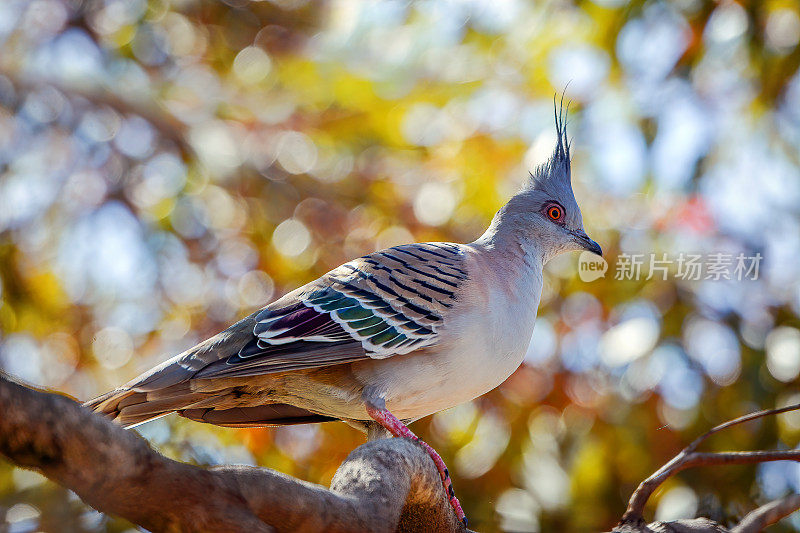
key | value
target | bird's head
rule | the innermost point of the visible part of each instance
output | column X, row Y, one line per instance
column 545, row 210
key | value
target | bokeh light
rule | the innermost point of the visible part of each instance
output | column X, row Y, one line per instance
column 167, row 168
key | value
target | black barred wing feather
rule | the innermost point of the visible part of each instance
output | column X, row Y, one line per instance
column 393, row 301
column 390, row 302
column 383, row 304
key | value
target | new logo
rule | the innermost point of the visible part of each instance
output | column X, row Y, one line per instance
column 591, row 267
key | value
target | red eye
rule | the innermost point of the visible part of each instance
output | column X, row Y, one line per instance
column 555, row 212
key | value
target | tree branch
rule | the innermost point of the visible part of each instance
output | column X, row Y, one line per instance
column 384, row 485
column 736, row 421
column 688, row 458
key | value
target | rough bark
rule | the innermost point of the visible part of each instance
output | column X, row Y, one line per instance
column 385, row 485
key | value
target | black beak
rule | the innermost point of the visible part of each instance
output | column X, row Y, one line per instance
column 588, row 244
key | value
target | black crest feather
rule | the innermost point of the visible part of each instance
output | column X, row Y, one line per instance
column 561, row 154
column 558, row 167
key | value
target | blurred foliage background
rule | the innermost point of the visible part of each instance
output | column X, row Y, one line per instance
column 169, row 166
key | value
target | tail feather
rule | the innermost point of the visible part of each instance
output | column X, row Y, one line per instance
column 175, row 386
column 159, row 407
column 171, row 387
column 108, row 404
column 254, row 416
column 130, row 408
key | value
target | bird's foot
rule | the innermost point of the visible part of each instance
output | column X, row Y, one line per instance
column 394, row 426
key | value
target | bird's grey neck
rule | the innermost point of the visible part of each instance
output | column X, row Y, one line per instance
column 507, row 237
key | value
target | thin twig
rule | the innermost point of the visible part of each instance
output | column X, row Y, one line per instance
column 742, row 419
column 688, row 458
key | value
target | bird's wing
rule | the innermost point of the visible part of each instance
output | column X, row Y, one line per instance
column 387, row 303
column 391, row 302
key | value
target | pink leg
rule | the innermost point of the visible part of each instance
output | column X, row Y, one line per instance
column 394, row 426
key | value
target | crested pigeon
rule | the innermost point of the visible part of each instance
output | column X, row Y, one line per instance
column 383, row 340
